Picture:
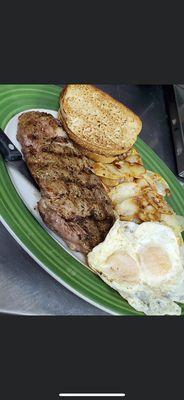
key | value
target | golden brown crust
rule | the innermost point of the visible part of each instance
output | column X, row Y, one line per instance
column 109, row 128
column 93, row 156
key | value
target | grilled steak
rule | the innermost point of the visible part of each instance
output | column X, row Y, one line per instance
column 73, row 201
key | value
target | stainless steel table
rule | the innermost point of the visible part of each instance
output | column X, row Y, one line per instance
column 24, row 287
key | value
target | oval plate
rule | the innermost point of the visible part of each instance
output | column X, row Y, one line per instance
column 37, row 240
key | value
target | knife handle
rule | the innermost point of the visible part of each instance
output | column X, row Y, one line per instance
column 8, row 149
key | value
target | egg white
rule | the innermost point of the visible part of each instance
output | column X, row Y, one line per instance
column 145, row 264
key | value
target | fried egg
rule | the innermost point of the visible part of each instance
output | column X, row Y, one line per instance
column 145, row 264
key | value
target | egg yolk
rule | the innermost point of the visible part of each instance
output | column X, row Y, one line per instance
column 121, row 267
column 155, row 260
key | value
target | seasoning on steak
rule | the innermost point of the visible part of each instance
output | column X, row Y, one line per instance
column 73, row 201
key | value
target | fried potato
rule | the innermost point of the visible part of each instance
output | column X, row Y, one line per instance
column 137, row 194
column 141, row 182
column 133, row 157
column 136, row 170
column 176, row 223
column 157, row 183
column 117, row 170
column 143, row 203
column 153, row 198
column 110, row 182
column 100, row 158
column 123, row 191
column 127, row 209
column 108, row 171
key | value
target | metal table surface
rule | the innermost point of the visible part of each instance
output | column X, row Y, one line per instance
column 27, row 289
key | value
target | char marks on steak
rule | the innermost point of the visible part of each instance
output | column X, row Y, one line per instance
column 73, row 201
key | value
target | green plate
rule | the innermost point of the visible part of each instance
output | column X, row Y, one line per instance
column 32, row 236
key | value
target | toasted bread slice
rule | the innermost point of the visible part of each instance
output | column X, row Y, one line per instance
column 96, row 121
column 93, row 156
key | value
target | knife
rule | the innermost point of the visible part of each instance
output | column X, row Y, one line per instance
column 13, row 157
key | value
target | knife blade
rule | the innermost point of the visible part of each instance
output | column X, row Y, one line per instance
column 13, row 157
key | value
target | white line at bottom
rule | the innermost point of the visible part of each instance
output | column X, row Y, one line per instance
column 92, row 394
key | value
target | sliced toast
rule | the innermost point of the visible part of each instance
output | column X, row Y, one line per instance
column 96, row 121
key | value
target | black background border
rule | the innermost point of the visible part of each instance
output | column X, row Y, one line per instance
column 93, row 42
column 43, row 356
column 97, row 41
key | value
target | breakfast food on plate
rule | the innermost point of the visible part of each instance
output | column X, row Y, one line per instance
column 137, row 194
column 145, row 264
column 96, row 121
column 141, row 199
column 92, row 156
column 90, row 174
column 73, row 201
column 118, row 170
column 98, row 157
column 125, row 167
